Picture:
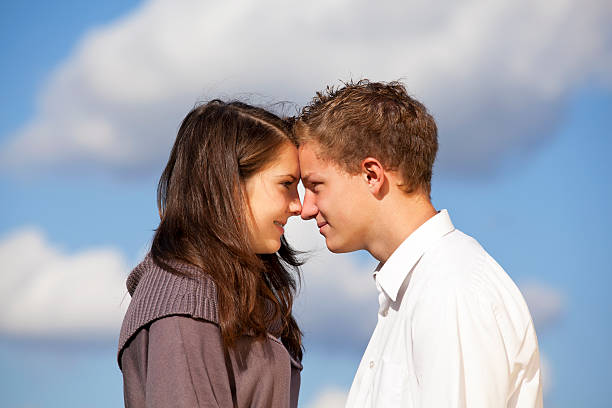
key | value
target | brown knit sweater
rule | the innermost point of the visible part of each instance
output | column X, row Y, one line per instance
column 171, row 352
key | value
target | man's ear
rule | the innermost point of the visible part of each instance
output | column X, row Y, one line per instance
column 374, row 175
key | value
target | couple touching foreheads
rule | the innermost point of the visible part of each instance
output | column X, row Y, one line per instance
column 210, row 322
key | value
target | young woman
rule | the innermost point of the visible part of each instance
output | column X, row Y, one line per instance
column 210, row 322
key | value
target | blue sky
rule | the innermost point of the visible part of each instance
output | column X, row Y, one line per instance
column 524, row 168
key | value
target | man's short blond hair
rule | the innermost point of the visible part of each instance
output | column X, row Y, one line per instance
column 372, row 119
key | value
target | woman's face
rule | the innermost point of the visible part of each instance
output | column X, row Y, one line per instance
column 273, row 198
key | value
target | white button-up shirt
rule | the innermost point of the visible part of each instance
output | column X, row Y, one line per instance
column 453, row 329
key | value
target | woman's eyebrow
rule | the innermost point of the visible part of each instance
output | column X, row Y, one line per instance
column 293, row 178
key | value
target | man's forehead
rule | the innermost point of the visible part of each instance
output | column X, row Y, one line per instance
column 310, row 153
column 308, row 148
column 312, row 168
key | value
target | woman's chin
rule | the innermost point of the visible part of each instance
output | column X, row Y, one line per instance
column 269, row 247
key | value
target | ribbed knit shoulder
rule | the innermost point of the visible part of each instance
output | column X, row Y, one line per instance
column 157, row 293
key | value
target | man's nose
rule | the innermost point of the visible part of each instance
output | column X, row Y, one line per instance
column 309, row 208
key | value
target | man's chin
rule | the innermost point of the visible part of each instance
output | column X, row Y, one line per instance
column 337, row 248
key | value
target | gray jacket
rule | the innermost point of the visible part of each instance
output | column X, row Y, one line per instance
column 171, row 352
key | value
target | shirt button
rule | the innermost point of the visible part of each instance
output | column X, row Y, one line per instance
column 371, row 364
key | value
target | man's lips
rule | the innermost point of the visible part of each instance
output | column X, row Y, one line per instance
column 321, row 224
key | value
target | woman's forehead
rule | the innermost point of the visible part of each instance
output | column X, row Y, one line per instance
column 286, row 161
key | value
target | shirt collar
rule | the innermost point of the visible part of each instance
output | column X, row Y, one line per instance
column 391, row 274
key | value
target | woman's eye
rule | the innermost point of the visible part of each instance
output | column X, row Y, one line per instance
column 287, row 184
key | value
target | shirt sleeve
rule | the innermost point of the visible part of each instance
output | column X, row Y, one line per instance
column 459, row 354
column 176, row 361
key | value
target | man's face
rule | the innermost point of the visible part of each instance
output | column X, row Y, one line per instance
column 336, row 200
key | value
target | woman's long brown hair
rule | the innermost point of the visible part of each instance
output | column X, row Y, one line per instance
column 203, row 212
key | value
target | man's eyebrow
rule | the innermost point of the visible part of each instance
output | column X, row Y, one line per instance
column 306, row 178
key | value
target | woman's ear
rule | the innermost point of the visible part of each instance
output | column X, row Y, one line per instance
column 374, row 175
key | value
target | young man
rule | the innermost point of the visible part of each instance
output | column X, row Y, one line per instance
column 453, row 329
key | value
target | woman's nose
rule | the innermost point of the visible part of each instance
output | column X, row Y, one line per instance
column 295, row 207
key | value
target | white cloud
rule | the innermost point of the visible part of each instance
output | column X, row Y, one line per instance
column 330, row 398
column 495, row 74
column 546, row 304
column 547, row 374
column 48, row 293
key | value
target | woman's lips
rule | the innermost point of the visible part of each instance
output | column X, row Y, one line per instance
column 279, row 226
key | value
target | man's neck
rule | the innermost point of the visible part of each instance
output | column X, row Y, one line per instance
column 397, row 220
